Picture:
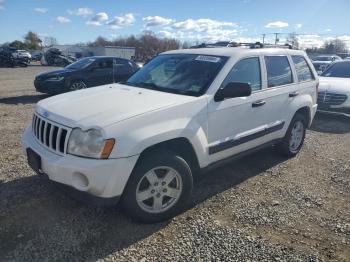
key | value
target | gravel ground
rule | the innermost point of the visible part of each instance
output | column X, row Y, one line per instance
column 261, row 208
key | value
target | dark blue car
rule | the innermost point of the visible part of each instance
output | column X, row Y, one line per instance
column 87, row 72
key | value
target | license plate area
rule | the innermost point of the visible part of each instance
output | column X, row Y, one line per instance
column 34, row 160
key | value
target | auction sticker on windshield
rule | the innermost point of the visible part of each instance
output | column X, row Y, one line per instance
column 205, row 58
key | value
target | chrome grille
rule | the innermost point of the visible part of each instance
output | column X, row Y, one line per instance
column 51, row 135
column 331, row 98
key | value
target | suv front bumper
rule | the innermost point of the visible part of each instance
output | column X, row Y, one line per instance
column 103, row 178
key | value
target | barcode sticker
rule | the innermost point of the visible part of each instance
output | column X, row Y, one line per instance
column 205, row 58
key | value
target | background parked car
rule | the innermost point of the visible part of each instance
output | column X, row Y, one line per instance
column 334, row 89
column 54, row 57
column 7, row 59
column 87, row 72
column 22, row 54
column 322, row 62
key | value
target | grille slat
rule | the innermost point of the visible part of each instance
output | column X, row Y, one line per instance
column 40, row 130
column 58, row 139
column 326, row 98
column 50, row 134
column 37, row 127
column 44, row 133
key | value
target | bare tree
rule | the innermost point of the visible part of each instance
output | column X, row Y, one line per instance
column 147, row 45
column 292, row 39
column 334, row 46
column 50, row 41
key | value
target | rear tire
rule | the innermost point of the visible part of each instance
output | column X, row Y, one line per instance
column 294, row 138
column 77, row 85
column 159, row 188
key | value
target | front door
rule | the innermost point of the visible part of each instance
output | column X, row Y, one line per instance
column 239, row 124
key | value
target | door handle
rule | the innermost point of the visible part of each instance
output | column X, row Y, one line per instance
column 293, row 94
column 259, row 103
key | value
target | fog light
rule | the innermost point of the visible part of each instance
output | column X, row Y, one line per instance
column 80, row 181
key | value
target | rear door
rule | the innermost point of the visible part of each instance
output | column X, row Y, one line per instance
column 122, row 69
column 100, row 72
column 281, row 88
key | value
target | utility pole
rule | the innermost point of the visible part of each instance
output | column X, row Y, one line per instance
column 276, row 38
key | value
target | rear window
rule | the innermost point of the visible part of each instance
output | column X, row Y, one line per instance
column 303, row 70
column 278, row 71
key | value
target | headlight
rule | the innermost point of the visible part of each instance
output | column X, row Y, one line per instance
column 89, row 143
column 55, row 78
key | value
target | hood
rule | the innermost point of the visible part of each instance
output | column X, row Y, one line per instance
column 54, row 73
column 105, row 105
column 335, row 84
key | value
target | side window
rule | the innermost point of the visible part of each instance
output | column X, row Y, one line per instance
column 122, row 66
column 104, row 64
column 246, row 71
column 109, row 63
column 303, row 70
column 278, row 71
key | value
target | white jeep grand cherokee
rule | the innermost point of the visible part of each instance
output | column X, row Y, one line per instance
column 183, row 112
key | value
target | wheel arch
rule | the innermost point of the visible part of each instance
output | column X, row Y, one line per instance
column 305, row 111
column 180, row 146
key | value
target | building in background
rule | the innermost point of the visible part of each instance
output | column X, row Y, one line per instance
column 85, row 51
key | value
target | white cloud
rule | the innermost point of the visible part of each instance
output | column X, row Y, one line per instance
column 122, row 21
column 41, row 10
column 298, row 26
column 209, row 36
column 277, row 24
column 202, row 25
column 62, row 19
column 327, row 30
column 156, row 21
column 310, row 41
column 83, row 11
column 98, row 19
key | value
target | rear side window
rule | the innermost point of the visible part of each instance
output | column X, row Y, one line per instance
column 303, row 70
column 278, row 71
column 122, row 66
column 246, row 71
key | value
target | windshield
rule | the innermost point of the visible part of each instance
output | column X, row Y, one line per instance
column 323, row 58
column 82, row 63
column 186, row 74
column 341, row 69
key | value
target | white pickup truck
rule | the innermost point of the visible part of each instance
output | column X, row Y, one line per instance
column 185, row 111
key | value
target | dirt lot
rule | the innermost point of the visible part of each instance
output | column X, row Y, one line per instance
column 261, row 208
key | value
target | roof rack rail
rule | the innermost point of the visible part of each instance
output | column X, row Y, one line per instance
column 236, row 44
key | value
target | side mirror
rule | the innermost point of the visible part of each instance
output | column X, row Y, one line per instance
column 233, row 89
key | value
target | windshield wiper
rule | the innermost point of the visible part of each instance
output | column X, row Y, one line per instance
column 149, row 85
column 152, row 86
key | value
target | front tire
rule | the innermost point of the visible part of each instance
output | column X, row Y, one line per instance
column 158, row 188
column 294, row 138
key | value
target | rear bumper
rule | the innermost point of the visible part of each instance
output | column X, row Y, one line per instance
column 313, row 113
column 335, row 110
column 339, row 111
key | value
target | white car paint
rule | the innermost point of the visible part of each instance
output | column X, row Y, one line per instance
column 139, row 118
column 22, row 54
column 336, row 85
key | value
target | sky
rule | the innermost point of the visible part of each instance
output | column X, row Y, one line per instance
column 78, row 21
